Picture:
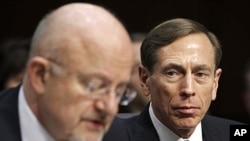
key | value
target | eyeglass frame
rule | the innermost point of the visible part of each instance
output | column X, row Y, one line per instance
column 125, row 96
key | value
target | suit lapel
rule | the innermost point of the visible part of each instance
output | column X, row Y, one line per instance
column 210, row 132
column 145, row 130
column 9, row 118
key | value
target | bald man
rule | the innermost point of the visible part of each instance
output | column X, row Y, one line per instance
column 79, row 66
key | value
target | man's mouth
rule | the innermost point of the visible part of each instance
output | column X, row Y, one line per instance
column 95, row 125
column 187, row 110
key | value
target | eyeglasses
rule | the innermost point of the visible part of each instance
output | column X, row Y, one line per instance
column 97, row 88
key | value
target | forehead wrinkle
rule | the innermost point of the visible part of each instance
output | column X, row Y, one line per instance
column 175, row 60
column 191, row 47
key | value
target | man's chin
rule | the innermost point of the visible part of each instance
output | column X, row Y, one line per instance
column 186, row 123
column 87, row 137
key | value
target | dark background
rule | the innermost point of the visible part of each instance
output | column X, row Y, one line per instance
column 229, row 20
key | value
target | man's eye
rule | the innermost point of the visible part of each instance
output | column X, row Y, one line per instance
column 93, row 88
column 95, row 85
column 171, row 73
column 201, row 74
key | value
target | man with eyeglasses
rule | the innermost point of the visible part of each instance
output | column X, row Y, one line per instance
column 77, row 74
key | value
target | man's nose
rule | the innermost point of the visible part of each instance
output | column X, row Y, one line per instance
column 108, row 103
column 187, row 86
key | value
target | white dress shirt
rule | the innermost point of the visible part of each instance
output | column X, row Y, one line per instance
column 165, row 134
column 31, row 129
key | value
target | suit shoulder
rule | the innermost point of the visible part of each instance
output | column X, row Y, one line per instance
column 5, row 94
column 220, row 121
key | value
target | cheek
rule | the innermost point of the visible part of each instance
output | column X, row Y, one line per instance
column 65, row 117
column 162, row 94
column 74, row 107
column 205, row 98
column 162, row 89
column 63, row 104
column 70, row 115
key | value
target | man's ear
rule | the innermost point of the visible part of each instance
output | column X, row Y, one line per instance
column 216, row 83
column 144, row 76
column 38, row 71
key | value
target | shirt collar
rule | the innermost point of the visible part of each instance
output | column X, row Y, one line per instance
column 165, row 133
column 31, row 129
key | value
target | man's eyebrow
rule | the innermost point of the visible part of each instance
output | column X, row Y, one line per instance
column 181, row 68
column 172, row 66
column 202, row 67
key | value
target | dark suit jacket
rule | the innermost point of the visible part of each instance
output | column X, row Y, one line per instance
column 140, row 128
column 9, row 118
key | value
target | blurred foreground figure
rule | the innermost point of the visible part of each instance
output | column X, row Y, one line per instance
column 78, row 69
